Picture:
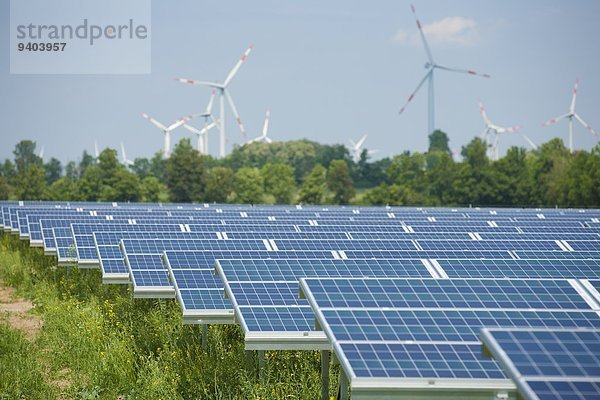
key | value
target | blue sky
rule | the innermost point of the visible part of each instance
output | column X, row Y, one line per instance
column 328, row 71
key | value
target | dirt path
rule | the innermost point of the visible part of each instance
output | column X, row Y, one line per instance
column 16, row 310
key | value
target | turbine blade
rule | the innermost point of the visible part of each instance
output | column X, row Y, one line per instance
column 268, row 140
column 154, row 122
column 463, row 71
column 96, row 149
column 215, row 85
column 192, row 129
column 513, row 129
column 427, row 50
column 235, row 113
column 586, row 125
column 237, row 66
column 361, row 141
column 208, row 127
column 266, row 124
column 123, row 153
column 210, row 102
column 412, row 95
column 572, row 108
column 531, row 143
column 181, row 121
column 483, row 113
column 555, row 120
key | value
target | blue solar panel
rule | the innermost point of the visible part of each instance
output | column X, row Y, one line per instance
column 292, row 270
column 443, row 325
column 445, row 293
column 565, row 269
column 417, row 360
column 549, row 363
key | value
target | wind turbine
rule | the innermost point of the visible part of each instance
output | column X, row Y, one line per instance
column 431, row 66
column 202, row 145
column 97, row 152
column 493, row 129
column 209, row 123
column 41, row 153
column 570, row 115
column 265, row 131
column 124, row 160
column 167, row 129
column 224, row 93
column 356, row 148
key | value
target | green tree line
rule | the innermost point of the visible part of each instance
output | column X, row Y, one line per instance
column 311, row 173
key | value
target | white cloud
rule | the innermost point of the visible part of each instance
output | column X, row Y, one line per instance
column 457, row 31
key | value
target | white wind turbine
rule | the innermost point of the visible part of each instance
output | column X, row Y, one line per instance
column 570, row 115
column 96, row 151
column 209, row 123
column 224, row 93
column 356, row 148
column 202, row 145
column 431, row 66
column 493, row 129
column 167, row 129
column 124, row 159
column 263, row 137
column 41, row 153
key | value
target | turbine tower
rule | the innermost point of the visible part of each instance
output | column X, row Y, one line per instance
column 431, row 66
column 224, row 93
column 263, row 138
column 570, row 115
column 167, row 129
column 493, row 129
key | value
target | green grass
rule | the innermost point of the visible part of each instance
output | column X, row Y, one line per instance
column 99, row 343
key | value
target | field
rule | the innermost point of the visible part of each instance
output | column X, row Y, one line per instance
column 65, row 335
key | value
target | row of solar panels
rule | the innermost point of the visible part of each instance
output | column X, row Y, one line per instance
column 416, row 323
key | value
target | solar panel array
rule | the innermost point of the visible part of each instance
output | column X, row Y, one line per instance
column 399, row 294
column 549, row 363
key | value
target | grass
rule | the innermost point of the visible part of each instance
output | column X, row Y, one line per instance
column 99, row 343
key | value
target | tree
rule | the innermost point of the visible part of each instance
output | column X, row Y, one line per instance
column 25, row 155
column 248, row 185
column 314, row 186
column 340, row 182
column 474, row 153
column 218, row 184
column 142, row 167
column 53, row 170
column 87, row 160
column 90, row 186
column 184, row 173
column 279, row 181
column 124, row 187
column 72, row 171
column 64, row 189
column 30, row 184
column 8, row 170
column 151, row 189
column 4, row 188
column 438, row 141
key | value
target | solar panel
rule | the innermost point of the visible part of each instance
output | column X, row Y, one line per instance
column 522, row 268
column 447, row 293
column 410, row 334
column 549, row 363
